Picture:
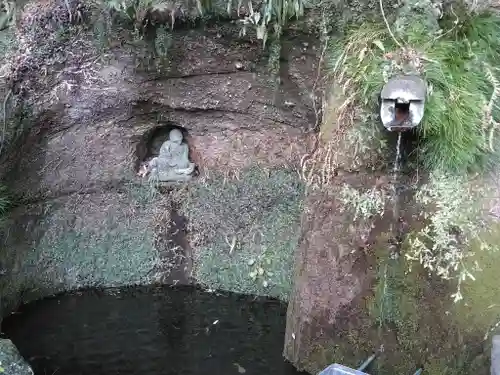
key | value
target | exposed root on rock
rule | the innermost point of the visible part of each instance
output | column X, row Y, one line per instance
column 318, row 168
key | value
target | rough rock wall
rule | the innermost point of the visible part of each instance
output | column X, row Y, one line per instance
column 332, row 275
column 84, row 218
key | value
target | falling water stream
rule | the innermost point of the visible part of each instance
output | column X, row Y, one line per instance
column 394, row 186
column 398, row 157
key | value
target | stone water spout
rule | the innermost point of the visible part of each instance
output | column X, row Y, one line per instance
column 402, row 102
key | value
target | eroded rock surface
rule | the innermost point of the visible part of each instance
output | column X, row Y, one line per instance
column 84, row 217
column 332, row 273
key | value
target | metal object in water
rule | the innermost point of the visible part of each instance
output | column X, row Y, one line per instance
column 338, row 369
column 402, row 102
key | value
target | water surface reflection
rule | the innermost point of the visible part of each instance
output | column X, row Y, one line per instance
column 151, row 331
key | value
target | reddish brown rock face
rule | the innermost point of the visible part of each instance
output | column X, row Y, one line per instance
column 331, row 274
column 238, row 149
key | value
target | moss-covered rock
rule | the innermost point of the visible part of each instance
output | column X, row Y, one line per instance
column 244, row 231
column 57, row 246
column 380, row 302
column 11, row 362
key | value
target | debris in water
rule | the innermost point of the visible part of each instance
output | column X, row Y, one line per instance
column 215, row 322
column 241, row 369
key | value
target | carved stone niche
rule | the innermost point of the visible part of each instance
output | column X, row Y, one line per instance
column 163, row 156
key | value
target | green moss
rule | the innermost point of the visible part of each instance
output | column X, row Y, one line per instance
column 340, row 14
column 274, row 61
column 5, row 201
column 394, row 309
column 481, row 308
column 415, row 11
column 257, row 216
column 396, row 291
column 7, row 42
column 110, row 256
column 142, row 194
column 417, row 323
column 101, row 30
column 117, row 252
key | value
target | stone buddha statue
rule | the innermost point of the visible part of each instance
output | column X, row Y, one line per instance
column 172, row 164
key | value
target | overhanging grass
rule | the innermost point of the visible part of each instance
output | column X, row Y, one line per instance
column 458, row 130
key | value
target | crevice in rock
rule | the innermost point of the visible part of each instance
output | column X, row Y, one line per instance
column 149, row 107
column 173, row 246
column 163, row 77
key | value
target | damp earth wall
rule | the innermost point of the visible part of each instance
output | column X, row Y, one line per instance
column 83, row 218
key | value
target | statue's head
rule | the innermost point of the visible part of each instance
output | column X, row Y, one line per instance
column 175, row 136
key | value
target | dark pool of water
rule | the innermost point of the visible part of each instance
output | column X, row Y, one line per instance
column 151, row 331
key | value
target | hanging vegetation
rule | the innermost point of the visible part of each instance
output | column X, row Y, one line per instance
column 460, row 127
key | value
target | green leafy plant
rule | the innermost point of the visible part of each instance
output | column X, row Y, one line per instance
column 136, row 11
column 365, row 204
column 270, row 19
column 132, row 10
column 460, row 127
column 454, row 222
column 273, row 14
